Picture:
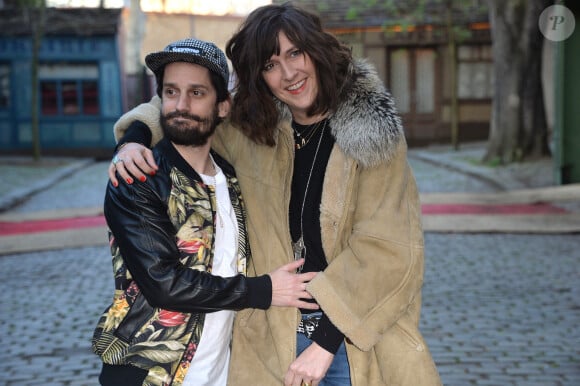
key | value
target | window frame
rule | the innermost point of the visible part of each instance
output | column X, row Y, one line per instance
column 472, row 55
column 77, row 82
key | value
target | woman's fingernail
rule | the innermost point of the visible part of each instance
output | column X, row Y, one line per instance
column 115, row 184
column 142, row 178
column 129, row 180
column 152, row 172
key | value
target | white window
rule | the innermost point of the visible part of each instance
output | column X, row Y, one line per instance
column 475, row 74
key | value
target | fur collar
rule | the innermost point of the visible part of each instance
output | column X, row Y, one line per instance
column 366, row 125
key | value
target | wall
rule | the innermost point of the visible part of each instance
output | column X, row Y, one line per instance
column 162, row 29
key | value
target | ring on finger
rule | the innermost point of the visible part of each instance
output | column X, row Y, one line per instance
column 117, row 159
column 305, row 383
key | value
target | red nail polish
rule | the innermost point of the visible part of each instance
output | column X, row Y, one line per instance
column 142, row 178
column 129, row 180
column 115, row 184
column 152, row 172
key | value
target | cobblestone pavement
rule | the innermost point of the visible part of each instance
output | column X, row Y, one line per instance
column 498, row 309
column 503, row 309
column 50, row 303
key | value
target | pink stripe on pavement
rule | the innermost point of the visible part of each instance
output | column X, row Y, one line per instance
column 14, row 228
column 8, row 228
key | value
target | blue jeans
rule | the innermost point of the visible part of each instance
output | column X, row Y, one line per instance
column 338, row 373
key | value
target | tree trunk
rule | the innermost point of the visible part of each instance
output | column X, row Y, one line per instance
column 452, row 57
column 518, row 128
column 38, row 20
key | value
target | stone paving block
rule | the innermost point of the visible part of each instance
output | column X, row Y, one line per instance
column 19, row 378
column 458, row 379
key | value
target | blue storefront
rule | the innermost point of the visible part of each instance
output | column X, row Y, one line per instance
column 79, row 85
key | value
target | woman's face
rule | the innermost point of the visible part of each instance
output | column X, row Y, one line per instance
column 291, row 77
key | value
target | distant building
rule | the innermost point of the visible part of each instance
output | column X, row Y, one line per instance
column 409, row 50
column 158, row 30
column 79, row 84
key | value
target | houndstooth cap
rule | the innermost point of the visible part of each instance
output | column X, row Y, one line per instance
column 193, row 51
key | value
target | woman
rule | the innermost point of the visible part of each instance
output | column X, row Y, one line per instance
column 321, row 159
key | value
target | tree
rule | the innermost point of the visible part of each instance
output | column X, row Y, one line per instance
column 452, row 56
column 34, row 14
column 518, row 129
column 38, row 32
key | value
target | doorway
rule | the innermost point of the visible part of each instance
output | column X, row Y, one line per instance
column 412, row 80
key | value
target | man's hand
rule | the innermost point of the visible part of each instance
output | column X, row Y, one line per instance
column 133, row 160
column 289, row 288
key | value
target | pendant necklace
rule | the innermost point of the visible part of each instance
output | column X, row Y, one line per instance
column 299, row 248
column 302, row 139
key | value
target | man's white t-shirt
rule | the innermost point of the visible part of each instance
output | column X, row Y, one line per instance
column 210, row 362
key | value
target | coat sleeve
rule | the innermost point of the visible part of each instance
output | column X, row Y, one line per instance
column 138, row 220
column 376, row 272
column 148, row 113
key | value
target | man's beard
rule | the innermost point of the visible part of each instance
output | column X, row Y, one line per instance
column 194, row 132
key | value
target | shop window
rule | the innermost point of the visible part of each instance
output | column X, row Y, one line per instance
column 48, row 97
column 70, row 98
column 90, row 98
column 69, row 90
column 4, row 86
column 412, row 80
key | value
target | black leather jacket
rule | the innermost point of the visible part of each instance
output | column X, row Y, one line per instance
column 153, row 273
column 139, row 218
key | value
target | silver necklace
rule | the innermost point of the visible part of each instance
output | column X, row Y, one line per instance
column 299, row 247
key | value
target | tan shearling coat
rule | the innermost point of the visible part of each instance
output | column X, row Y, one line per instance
column 371, row 233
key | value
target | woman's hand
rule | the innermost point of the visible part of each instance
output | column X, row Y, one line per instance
column 133, row 160
column 310, row 366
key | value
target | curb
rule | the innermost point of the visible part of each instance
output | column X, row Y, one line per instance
column 46, row 241
column 472, row 171
column 17, row 196
column 489, row 217
column 446, row 221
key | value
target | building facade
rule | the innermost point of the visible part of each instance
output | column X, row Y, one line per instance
column 79, row 81
column 410, row 50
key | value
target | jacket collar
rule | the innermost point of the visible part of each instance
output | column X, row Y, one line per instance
column 176, row 159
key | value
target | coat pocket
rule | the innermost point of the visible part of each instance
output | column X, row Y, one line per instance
column 139, row 314
column 114, row 332
column 108, row 347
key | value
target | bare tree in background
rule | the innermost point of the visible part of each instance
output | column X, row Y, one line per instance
column 34, row 13
column 518, row 129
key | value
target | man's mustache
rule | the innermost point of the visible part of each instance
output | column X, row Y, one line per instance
column 192, row 117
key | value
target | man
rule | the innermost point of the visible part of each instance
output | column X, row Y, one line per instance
column 179, row 242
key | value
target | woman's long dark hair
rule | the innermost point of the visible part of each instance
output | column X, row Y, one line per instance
column 254, row 109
